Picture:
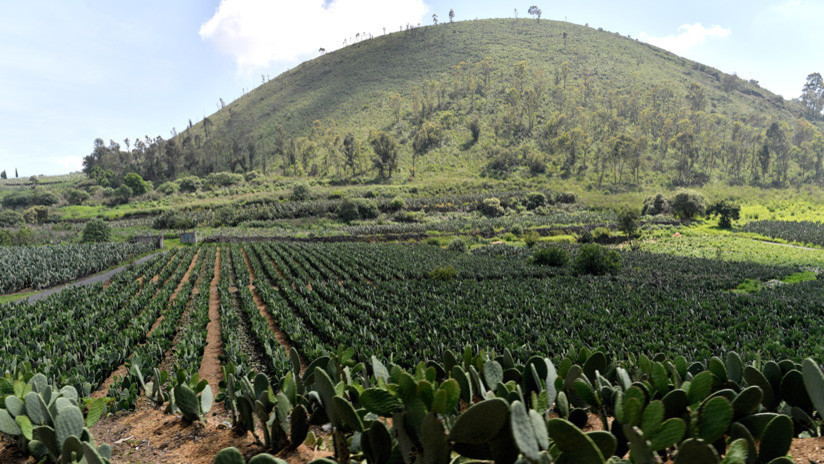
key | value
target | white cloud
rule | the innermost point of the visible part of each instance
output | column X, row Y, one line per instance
column 258, row 33
column 687, row 37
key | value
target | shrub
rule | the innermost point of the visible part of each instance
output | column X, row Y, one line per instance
column 123, row 193
column 397, row 204
column 531, row 237
column 36, row 214
column 599, row 233
column 173, row 220
column 656, row 205
column 688, row 204
column 358, row 208
column 23, row 198
column 566, row 198
column 168, row 188
column 76, row 197
column 628, row 222
column 535, row 200
column 190, row 183
column 586, row 237
column 517, row 229
column 492, row 207
column 509, row 237
column 458, row 244
column 223, row 179
column 475, row 129
column 10, row 218
column 443, row 273
column 300, row 192
column 597, row 260
column 551, row 256
column 96, row 231
column 135, row 183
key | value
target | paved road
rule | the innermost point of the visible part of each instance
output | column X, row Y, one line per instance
column 90, row 280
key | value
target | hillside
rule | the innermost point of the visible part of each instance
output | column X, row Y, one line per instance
column 548, row 97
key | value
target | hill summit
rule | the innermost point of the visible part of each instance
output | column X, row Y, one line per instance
column 498, row 97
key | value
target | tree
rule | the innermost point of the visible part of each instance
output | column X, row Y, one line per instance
column 535, row 11
column 351, row 151
column 435, row 19
column 727, row 211
column 136, row 183
column 3, row 174
column 386, row 153
column 427, row 136
column 688, row 204
column 779, row 146
column 628, row 222
column 812, row 95
column 96, row 231
column 451, row 15
column 696, row 97
column 15, row 173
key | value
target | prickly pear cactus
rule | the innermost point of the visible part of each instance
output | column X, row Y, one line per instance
column 188, row 403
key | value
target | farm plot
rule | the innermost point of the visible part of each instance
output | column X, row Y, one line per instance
column 380, row 300
column 242, row 306
column 45, row 266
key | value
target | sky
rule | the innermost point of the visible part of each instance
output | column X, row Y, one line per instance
column 75, row 70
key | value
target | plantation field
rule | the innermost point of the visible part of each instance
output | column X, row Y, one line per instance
column 382, row 301
column 217, row 315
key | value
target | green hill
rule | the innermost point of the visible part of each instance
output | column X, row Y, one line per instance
column 544, row 97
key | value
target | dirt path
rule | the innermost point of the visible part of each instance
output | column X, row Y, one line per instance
column 788, row 245
column 210, row 363
column 280, row 336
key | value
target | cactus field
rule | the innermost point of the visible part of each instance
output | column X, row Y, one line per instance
column 668, row 349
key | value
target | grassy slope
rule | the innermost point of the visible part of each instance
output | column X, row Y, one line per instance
column 352, row 85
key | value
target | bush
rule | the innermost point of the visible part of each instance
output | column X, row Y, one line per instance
column 357, row 208
column 10, row 218
column 96, row 231
column 223, row 179
column 517, row 229
column 76, row 197
column 586, row 237
column 122, row 194
column 509, row 237
column 535, row 200
column 531, row 237
column 173, row 220
column 24, row 198
column 190, row 183
column 443, row 273
column 135, row 183
column 597, row 260
column 551, row 256
column 397, row 204
column 168, row 188
column 688, row 204
column 565, row 198
column 458, row 244
column 492, row 207
column 300, row 192
column 599, row 233
column 36, row 214
column 628, row 222
column 655, row 205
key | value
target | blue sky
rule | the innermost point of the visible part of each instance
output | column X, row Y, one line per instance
column 75, row 70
